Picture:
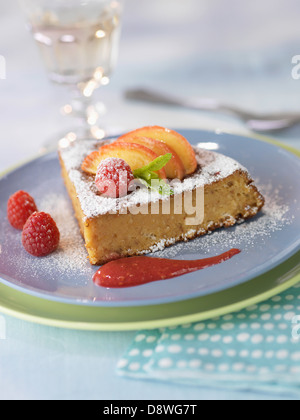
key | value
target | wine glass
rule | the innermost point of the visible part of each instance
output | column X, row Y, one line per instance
column 78, row 42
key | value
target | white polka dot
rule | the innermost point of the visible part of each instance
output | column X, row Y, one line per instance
column 264, row 370
column 243, row 326
column 251, row 308
column 238, row 367
column 147, row 353
column 256, row 339
column 295, row 369
column 191, row 350
column 159, row 348
column 255, row 326
column 241, row 316
column 231, row 353
column 244, row 353
column 215, row 338
column 203, row 337
column 243, row 337
column 269, row 327
column 266, row 317
column 203, row 352
column 289, row 297
column 186, row 325
column 174, row 348
column 288, row 307
column 281, row 339
column 227, row 317
column 134, row 366
column 217, row 353
column 134, row 352
column 251, row 369
column 212, row 326
column 269, row 354
column 283, row 326
column 282, row 354
column 165, row 363
column 140, row 337
column 270, row 339
column 195, row 363
column 257, row 354
column 151, row 339
column 175, row 336
column 227, row 340
column 227, row 327
column 210, row 367
column 199, row 327
column 253, row 316
column 122, row 363
column 264, row 308
column 289, row 316
column 296, row 357
column 223, row 368
column 278, row 317
column 276, row 299
column 189, row 337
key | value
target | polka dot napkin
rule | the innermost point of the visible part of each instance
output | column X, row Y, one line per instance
column 256, row 349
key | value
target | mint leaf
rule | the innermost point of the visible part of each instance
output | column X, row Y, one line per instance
column 148, row 176
column 156, row 165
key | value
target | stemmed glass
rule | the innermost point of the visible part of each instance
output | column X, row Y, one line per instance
column 78, row 41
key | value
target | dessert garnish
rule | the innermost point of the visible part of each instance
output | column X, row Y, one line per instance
column 200, row 191
column 40, row 236
column 113, row 177
column 19, row 207
column 136, row 271
column 149, row 177
column 174, row 140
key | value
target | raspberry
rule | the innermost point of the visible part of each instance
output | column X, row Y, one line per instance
column 40, row 234
column 19, row 207
column 113, row 177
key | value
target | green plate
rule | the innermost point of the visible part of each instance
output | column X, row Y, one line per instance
column 46, row 312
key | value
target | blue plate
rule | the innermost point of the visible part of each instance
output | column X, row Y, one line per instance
column 66, row 276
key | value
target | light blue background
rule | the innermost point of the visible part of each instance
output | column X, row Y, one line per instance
column 237, row 51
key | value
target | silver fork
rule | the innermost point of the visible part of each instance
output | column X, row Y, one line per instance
column 257, row 122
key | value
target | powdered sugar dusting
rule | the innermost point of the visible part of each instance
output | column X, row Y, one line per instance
column 272, row 218
column 71, row 252
column 212, row 167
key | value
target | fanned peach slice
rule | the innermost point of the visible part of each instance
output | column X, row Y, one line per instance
column 173, row 139
column 136, row 155
column 174, row 168
column 91, row 163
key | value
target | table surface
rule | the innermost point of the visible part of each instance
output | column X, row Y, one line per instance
column 238, row 53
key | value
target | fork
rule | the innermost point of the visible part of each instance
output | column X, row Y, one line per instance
column 254, row 121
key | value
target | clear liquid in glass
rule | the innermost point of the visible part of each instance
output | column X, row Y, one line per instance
column 79, row 52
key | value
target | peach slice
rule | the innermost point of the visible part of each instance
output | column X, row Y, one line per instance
column 136, row 155
column 173, row 139
column 174, row 168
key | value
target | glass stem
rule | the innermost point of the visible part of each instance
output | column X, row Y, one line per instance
column 87, row 112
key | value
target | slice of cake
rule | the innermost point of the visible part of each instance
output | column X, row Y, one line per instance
column 196, row 192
